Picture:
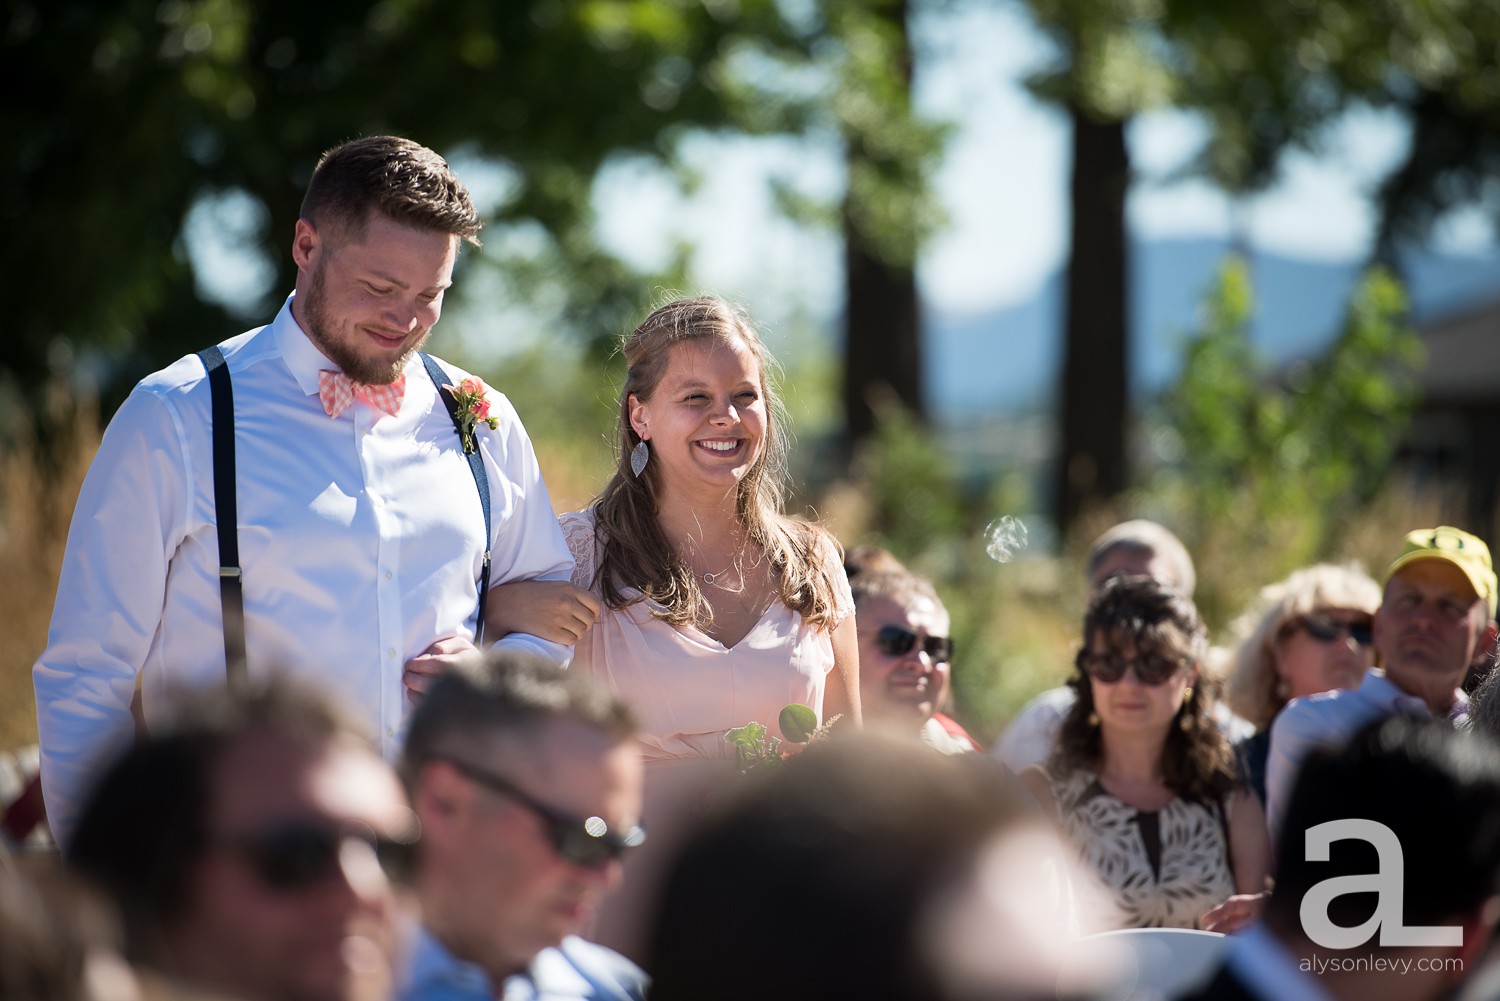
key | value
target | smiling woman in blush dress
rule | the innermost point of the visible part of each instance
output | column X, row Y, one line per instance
column 717, row 608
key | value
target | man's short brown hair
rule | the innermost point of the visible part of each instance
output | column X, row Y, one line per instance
column 402, row 180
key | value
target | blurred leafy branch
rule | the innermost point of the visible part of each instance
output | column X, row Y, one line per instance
column 1285, row 460
column 141, row 112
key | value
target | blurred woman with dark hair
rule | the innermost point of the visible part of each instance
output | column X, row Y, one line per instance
column 1141, row 781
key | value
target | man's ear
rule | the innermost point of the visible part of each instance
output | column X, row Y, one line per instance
column 441, row 796
column 1486, row 645
column 307, row 245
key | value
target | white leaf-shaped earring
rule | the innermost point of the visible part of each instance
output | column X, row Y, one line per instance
column 639, row 456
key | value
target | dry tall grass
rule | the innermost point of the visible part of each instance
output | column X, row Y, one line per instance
column 37, row 498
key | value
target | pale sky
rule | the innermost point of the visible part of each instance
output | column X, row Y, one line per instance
column 1004, row 184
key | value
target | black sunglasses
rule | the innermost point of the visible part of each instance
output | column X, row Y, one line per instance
column 893, row 641
column 583, row 841
column 295, row 855
column 1326, row 629
column 1109, row 668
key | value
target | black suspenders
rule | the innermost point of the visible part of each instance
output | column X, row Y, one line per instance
column 481, row 482
column 226, row 517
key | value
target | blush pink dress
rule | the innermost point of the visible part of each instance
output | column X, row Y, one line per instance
column 688, row 690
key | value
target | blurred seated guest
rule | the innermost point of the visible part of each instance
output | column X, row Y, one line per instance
column 239, row 843
column 1309, row 633
column 1142, row 782
column 861, row 870
column 1137, row 547
column 527, row 781
column 869, row 558
column 905, row 657
column 1437, row 792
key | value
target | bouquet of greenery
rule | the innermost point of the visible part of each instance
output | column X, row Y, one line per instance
column 754, row 745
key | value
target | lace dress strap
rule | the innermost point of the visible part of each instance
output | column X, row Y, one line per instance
column 578, row 530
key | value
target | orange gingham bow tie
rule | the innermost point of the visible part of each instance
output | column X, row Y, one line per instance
column 338, row 393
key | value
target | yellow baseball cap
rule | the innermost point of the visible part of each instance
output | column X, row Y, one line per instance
column 1465, row 551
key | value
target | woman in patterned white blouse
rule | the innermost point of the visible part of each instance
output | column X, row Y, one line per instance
column 1141, row 781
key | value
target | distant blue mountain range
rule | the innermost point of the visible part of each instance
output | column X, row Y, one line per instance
column 1006, row 361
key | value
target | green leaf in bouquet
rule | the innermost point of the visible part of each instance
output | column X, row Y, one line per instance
column 798, row 723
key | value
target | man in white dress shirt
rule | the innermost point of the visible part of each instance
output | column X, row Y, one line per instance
column 1436, row 620
column 361, row 533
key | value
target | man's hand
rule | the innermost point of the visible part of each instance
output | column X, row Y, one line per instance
column 552, row 610
column 429, row 665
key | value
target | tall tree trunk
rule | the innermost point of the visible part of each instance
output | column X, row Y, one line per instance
column 882, row 339
column 1092, row 466
column 882, row 342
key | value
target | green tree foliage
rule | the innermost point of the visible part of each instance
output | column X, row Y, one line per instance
column 1271, row 75
column 137, row 111
column 1283, row 461
column 140, row 113
column 1268, row 76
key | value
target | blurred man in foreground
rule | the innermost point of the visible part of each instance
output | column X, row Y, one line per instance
column 1400, row 829
column 239, row 842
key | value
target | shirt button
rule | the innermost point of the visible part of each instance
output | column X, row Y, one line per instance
column 389, row 575
column 390, row 731
column 391, row 652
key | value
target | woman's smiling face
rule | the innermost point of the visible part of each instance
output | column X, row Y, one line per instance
column 706, row 419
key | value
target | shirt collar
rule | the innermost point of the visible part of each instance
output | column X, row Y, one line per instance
column 1386, row 693
column 301, row 355
column 1269, row 969
column 550, row 975
column 553, row 975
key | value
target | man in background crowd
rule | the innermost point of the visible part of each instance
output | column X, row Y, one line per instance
column 1436, row 620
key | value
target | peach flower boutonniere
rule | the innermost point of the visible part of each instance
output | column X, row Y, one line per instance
column 472, row 396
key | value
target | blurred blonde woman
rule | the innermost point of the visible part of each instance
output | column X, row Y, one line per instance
column 1306, row 634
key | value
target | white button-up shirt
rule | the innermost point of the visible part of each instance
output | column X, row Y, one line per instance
column 361, row 538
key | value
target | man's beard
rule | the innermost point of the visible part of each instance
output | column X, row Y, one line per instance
column 370, row 371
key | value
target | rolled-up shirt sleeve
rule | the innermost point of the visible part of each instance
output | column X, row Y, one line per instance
column 527, row 541
column 129, row 519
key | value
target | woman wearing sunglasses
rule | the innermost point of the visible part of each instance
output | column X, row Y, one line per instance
column 1141, row 780
column 1307, row 634
column 905, row 656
